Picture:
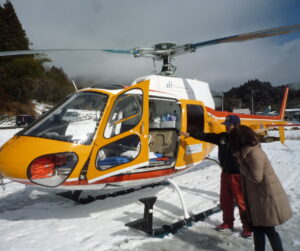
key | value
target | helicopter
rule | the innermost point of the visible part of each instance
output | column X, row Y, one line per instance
column 110, row 137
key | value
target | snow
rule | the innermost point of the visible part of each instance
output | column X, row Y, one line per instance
column 38, row 219
column 7, row 120
column 39, row 108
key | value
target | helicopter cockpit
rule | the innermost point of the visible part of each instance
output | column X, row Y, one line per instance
column 75, row 120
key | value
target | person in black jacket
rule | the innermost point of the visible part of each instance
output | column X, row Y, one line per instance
column 231, row 191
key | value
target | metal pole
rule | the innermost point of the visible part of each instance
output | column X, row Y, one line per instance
column 222, row 101
column 252, row 105
column 186, row 214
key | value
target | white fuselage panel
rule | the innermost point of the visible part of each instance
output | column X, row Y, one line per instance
column 179, row 88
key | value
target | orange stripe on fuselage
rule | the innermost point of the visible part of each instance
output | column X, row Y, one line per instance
column 243, row 116
column 118, row 178
column 127, row 177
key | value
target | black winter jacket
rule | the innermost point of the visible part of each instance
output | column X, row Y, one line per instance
column 228, row 162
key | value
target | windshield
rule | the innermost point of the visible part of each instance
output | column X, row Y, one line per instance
column 76, row 120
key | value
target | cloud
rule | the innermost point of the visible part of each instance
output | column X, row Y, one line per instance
column 120, row 24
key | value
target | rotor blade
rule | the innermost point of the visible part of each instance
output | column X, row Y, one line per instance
column 30, row 52
column 117, row 51
column 251, row 35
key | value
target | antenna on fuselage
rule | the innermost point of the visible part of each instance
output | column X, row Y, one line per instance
column 74, row 84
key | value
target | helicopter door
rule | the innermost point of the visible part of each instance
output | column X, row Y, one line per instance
column 122, row 142
column 192, row 151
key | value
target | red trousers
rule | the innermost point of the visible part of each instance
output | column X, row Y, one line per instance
column 231, row 193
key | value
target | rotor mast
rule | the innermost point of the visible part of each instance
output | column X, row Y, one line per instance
column 166, row 53
column 168, row 69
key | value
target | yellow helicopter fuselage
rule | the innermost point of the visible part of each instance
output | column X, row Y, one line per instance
column 99, row 138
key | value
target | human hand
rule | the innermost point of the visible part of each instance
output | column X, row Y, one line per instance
column 185, row 134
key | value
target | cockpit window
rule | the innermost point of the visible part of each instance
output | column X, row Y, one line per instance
column 76, row 120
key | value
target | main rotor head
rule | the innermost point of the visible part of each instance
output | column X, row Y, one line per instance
column 166, row 52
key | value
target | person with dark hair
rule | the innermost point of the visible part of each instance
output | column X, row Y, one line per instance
column 266, row 200
column 230, row 192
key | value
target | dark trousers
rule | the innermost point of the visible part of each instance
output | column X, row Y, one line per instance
column 259, row 234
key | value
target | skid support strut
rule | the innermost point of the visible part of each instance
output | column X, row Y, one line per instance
column 172, row 182
column 146, row 223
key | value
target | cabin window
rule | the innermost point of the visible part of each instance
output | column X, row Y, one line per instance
column 126, row 113
column 195, row 118
column 118, row 152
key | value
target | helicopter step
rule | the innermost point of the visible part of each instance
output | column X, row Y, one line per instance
column 78, row 198
column 145, row 224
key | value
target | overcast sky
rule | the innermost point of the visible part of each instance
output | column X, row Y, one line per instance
column 124, row 24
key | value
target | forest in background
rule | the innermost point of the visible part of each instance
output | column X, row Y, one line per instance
column 263, row 94
column 24, row 78
column 27, row 77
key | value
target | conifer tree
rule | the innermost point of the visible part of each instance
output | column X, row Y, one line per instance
column 13, row 33
column 23, row 78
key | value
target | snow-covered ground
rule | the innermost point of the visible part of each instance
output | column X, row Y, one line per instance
column 290, row 133
column 38, row 219
column 7, row 120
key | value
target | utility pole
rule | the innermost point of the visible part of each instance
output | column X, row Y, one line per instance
column 252, row 101
column 222, row 97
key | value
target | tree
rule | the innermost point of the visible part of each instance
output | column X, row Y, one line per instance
column 264, row 95
column 13, row 37
column 23, row 78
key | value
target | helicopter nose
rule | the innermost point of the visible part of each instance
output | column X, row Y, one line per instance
column 5, row 165
column 39, row 161
column 13, row 161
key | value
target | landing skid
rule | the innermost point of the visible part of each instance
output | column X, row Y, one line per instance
column 146, row 223
column 78, row 198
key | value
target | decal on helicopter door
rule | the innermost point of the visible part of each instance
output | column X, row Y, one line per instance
column 191, row 149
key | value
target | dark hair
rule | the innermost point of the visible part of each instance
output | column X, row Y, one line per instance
column 241, row 137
